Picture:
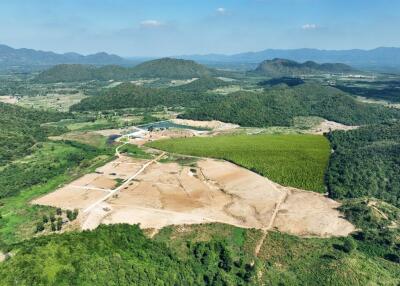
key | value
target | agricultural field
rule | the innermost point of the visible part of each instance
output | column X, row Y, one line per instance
column 59, row 102
column 291, row 160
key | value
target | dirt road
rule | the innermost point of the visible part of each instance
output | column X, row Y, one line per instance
column 124, row 184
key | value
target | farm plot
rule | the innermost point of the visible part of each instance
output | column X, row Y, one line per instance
column 291, row 160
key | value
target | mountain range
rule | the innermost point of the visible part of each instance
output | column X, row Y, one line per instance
column 11, row 58
column 383, row 58
column 380, row 59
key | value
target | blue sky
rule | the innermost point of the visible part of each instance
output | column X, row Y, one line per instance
column 175, row 27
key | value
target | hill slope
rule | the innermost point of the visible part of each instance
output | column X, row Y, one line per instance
column 278, row 107
column 376, row 149
column 202, row 85
column 272, row 107
column 20, row 129
column 171, row 68
column 282, row 67
column 161, row 68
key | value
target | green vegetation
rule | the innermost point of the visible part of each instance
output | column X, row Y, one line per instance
column 134, row 151
column 278, row 107
column 49, row 166
column 272, row 107
column 208, row 254
column 283, row 67
column 20, row 129
column 379, row 90
column 121, row 255
column 172, row 68
column 202, row 85
column 160, row 68
column 366, row 162
column 289, row 260
column 378, row 223
column 292, row 160
column 46, row 163
column 129, row 95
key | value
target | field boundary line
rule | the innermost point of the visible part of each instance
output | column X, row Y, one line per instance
column 127, row 181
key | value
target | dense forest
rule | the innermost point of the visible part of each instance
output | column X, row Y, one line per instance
column 379, row 90
column 121, row 255
column 128, row 95
column 366, row 162
column 275, row 106
column 278, row 106
column 21, row 128
column 166, row 68
column 202, row 84
column 283, row 67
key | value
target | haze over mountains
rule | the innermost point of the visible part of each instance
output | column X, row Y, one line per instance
column 11, row 58
column 380, row 59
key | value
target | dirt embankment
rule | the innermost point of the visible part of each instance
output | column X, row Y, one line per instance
column 213, row 124
column 326, row 126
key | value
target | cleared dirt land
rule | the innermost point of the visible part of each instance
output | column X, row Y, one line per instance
column 209, row 191
column 326, row 126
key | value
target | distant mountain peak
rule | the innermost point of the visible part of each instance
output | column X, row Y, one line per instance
column 29, row 58
column 279, row 67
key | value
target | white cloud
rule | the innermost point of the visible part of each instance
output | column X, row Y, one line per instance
column 221, row 10
column 151, row 24
column 309, row 26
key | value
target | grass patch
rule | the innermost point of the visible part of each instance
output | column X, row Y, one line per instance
column 134, row 151
column 289, row 260
column 292, row 160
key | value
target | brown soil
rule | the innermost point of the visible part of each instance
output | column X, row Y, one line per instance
column 213, row 124
column 325, row 126
column 8, row 99
column 217, row 191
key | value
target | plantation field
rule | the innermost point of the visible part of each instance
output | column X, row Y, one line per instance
column 59, row 102
column 291, row 160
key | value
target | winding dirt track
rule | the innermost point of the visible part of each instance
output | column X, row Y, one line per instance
column 271, row 223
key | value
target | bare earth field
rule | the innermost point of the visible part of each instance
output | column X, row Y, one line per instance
column 8, row 99
column 213, row 124
column 164, row 194
column 326, row 126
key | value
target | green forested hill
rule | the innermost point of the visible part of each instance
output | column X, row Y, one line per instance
column 121, row 255
column 161, row 68
column 272, row 107
column 76, row 73
column 130, row 95
column 172, row 68
column 366, row 162
column 278, row 106
column 202, row 84
column 20, row 129
column 283, row 67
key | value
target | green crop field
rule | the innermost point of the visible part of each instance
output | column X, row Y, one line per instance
column 292, row 160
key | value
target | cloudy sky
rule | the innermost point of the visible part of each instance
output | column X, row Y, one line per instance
column 175, row 27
